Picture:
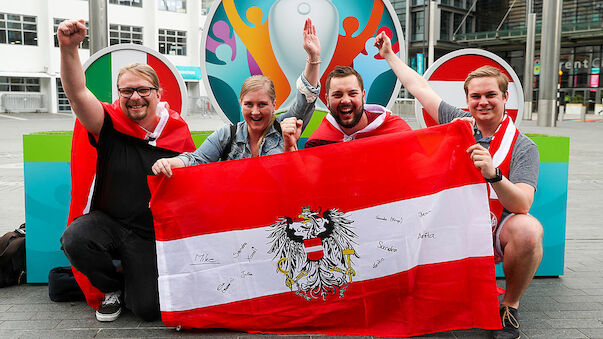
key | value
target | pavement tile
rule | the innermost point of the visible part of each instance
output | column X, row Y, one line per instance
column 531, row 315
column 37, row 307
column 562, row 306
column 29, row 325
column 9, row 334
column 93, row 323
column 58, row 334
column 156, row 323
column 4, row 308
column 533, row 323
column 552, row 290
column 16, row 315
column 575, row 323
column 67, row 314
column 593, row 291
column 552, row 333
column 579, row 298
column 138, row 333
column 592, row 332
column 575, row 314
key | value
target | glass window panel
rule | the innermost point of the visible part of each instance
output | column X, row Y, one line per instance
column 14, row 25
column 4, row 88
column 2, row 36
column 14, row 37
column 30, row 38
column 13, row 17
column 17, row 88
column 31, row 27
column 3, row 80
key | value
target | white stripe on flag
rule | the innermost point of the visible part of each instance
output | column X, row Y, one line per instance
column 120, row 59
column 455, row 94
column 314, row 248
column 450, row 225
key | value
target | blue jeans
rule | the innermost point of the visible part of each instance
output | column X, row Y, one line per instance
column 94, row 240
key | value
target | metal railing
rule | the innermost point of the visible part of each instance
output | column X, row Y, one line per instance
column 566, row 28
column 22, row 102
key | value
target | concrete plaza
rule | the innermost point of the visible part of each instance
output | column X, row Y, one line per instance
column 569, row 306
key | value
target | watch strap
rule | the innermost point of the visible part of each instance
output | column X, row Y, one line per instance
column 497, row 178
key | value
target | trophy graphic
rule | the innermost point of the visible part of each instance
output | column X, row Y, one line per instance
column 287, row 16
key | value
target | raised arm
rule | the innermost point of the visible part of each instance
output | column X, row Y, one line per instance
column 84, row 104
column 410, row 79
column 312, row 47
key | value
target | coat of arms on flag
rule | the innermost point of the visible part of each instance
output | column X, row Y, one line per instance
column 327, row 241
column 382, row 236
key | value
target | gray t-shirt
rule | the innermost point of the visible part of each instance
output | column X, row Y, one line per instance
column 524, row 159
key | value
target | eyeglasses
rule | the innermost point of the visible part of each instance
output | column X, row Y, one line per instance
column 126, row 92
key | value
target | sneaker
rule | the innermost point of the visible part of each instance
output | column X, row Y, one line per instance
column 110, row 308
column 510, row 324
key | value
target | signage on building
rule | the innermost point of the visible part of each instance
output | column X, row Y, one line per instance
column 447, row 76
column 190, row 72
column 102, row 68
column 247, row 37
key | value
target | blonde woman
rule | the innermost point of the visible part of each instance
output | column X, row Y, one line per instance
column 261, row 132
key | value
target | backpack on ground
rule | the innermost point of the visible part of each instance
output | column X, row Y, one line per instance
column 12, row 257
column 62, row 285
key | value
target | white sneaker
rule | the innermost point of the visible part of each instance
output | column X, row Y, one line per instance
column 110, row 308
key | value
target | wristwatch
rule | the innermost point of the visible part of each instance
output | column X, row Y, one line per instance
column 497, row 178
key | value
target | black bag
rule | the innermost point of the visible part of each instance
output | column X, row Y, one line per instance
column 12, row 257
column 62, row 285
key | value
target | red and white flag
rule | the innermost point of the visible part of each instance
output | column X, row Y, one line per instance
column 404, row 231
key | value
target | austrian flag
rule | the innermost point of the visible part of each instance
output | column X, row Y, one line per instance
column 382, row 236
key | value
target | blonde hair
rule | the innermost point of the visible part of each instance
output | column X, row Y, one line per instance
column 488, row 72
column 256, row 82
column 253, row 83
column 142, row 70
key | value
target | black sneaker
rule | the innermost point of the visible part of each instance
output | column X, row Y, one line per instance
column 510, row 324
column 110, row 308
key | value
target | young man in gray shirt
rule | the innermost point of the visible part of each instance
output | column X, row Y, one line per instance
column 508, row 161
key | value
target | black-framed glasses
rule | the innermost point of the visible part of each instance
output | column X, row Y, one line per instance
column 144, row 91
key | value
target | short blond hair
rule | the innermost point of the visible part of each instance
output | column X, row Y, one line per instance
column 142, row 70
column 488, row 72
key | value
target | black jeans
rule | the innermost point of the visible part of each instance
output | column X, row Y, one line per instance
column 94, row 240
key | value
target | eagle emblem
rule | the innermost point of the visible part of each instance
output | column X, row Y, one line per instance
column 314, row 252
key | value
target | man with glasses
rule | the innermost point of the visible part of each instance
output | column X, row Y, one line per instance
column 508, row 161
column 114, row 221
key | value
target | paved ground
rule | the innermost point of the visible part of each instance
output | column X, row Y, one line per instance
column 570, row 306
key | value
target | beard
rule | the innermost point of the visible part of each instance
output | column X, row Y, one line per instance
column 137, row 116
column 356, row 116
